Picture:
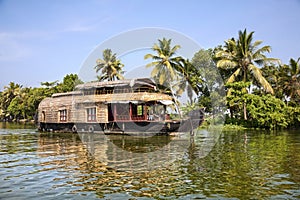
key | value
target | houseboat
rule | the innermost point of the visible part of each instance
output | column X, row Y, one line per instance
column 122, row 106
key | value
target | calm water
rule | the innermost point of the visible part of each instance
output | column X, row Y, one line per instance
column 244, row 165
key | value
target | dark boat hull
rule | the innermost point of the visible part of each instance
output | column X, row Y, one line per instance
column 113, row 127
column 194, row 120
column 120, row 127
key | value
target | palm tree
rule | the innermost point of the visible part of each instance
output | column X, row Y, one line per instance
column 290, row 79
column 166, row 63
column 9, row 93
column 272, row 75
column 192, row 78
column 241, row 56
column 110, row 66
column 167, row 67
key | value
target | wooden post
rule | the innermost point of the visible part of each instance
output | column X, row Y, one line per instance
column 115, row 112
column 145, row 112
column 130, row 111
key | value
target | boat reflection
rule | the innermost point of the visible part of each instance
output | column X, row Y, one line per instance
column 127, row 153
column 118, row 152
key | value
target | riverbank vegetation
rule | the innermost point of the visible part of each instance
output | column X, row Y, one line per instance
column 18, row 103
column 254, row 91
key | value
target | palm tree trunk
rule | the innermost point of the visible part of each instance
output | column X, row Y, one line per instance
column 245, row 111
column 244, row 103
column 177, row 108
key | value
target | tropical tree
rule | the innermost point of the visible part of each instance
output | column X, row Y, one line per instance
column 272, row 75
column 241, row 57
column 267, row 111
column 110, row 67
column 290, row 80
column 192, row 75
column 167, row 65
column 50, row 87
column 10, row 92
column 211, row 84
column 69, row 83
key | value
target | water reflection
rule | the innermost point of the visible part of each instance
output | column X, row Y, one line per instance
column 248, row 165
column 135, row 154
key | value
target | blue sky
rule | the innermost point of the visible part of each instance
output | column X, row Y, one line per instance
column 45, row 40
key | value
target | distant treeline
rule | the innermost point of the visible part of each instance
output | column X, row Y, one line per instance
column 21, row 103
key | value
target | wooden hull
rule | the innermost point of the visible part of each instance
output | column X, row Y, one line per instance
column 113, row 128
column 123, row 127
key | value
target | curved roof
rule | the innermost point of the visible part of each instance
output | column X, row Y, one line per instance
column 126, row 82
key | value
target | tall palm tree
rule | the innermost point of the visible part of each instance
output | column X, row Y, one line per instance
column 290, row 79
column 167, row 67
column 9, row 93
column 166, row 63
column 192, row 78
column 241, row 58
column 110, row 67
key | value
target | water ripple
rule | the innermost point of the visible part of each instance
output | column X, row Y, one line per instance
column 265, row 166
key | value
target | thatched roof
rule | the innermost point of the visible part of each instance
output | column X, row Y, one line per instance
column 59, row 100
column 119, row 83
column 67, row 94
column 129, row 97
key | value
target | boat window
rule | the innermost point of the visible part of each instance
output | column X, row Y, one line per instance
column 43, row 116
column 89, row 92
column 140, row 110
column 63, row 115
column 91, row 114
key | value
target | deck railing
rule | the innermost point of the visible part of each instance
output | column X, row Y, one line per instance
column 128, row 118
column 118, row 91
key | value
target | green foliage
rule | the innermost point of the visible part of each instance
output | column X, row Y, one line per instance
column 21, row 103
column 266, row 111
column 166, row 64
column 110, row 67
column 210, row 86
column 239, row 58
column 236, row 97
column 230, row 127
column 69, row 83
column 263, row 111
column 16, row 107
column 289, row 79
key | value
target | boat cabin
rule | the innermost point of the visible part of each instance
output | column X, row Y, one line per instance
column 123, row 105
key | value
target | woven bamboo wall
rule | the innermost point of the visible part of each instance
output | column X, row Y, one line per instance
column 50, row 108
column 102, row 113
column 76, row 105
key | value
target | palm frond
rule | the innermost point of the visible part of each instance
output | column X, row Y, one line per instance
column 162, row 77
column 226, row 63
column 152, row 64
column 260, row 79
column 232, row 78
column 149, row 55
column 257, row 43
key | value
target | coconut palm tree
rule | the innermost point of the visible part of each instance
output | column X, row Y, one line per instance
column 166, row 64
column 192, row 78
column 168, row 68
column 9, row 93
column 272, row 75
column 241, row 58
column 290, row 79
column 110, row 67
